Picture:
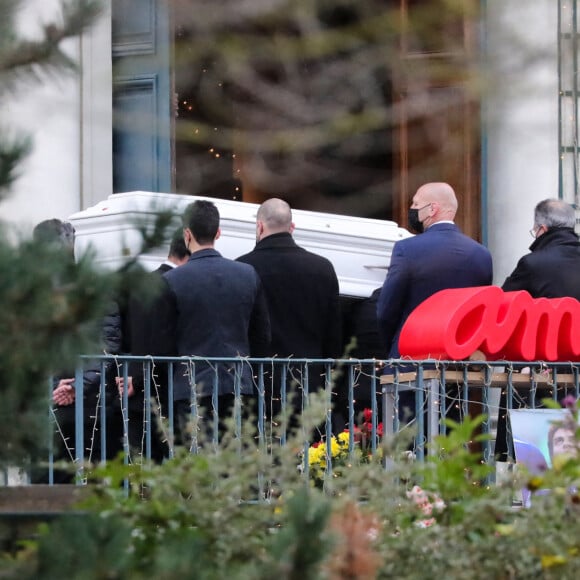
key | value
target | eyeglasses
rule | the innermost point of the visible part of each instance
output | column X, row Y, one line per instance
column 535, row 230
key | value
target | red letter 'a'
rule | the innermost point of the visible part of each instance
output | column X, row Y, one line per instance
column 450, row 324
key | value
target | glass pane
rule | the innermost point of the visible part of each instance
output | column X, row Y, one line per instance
column 569, row 125
column 568, row 176
column 567, row 63
column 290, row 104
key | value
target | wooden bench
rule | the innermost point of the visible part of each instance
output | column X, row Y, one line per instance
column 23, row 508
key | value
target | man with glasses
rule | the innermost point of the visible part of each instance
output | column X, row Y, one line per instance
column 550, row 270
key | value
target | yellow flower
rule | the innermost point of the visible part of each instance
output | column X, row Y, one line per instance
column 534, row 483
column 344, row 438
column 316, row 455
column 551, row 560
column 335, row 447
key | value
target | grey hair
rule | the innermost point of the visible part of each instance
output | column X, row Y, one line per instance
column 554, row 213
column 54, row 231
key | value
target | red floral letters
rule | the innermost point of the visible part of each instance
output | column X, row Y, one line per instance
column 452, row 324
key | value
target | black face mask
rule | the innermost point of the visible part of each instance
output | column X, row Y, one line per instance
column 414, row 222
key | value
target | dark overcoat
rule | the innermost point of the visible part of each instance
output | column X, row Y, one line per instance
column 551, row 269
column 303, row 298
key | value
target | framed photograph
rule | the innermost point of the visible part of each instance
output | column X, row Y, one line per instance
column 530, row 431
column 538, row 437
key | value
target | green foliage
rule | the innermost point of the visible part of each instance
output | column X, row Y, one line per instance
column 305, row 526
column 452, row 468
column 84, row 546
column 49, row 305
column 226, row 513
column 50, row 315
column 11, row 154
column 25, row 58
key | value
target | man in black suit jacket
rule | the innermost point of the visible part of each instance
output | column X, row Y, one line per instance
column 210, row 307
column 302, row 294
column 136, row 339
column 550, row 270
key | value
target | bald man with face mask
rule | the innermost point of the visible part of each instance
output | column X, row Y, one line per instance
column 440, row 257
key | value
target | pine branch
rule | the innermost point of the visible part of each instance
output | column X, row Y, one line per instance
column 30, row 57
column 11, row 155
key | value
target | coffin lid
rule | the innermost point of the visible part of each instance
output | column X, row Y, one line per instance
column 359, row 248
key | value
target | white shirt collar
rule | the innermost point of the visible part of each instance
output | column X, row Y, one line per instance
column 442, row 222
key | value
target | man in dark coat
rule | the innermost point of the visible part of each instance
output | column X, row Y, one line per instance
column 442, row 257
column 302, row 294
column 136, row 341
column 210, row 307
column 62, row 235
column 550, row 270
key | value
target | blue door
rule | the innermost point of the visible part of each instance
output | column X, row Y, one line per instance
column 142, row 89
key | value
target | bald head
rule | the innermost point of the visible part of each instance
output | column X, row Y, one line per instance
column 274, row 217
column 436, row 201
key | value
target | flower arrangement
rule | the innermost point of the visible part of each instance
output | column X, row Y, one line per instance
column 340, row 457
column 366, row 429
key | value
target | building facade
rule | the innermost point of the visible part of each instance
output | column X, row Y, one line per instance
column 116, row 125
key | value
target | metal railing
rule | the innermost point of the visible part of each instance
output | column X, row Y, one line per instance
column 393, row 395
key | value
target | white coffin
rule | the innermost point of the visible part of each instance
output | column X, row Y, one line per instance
column 359, row 248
